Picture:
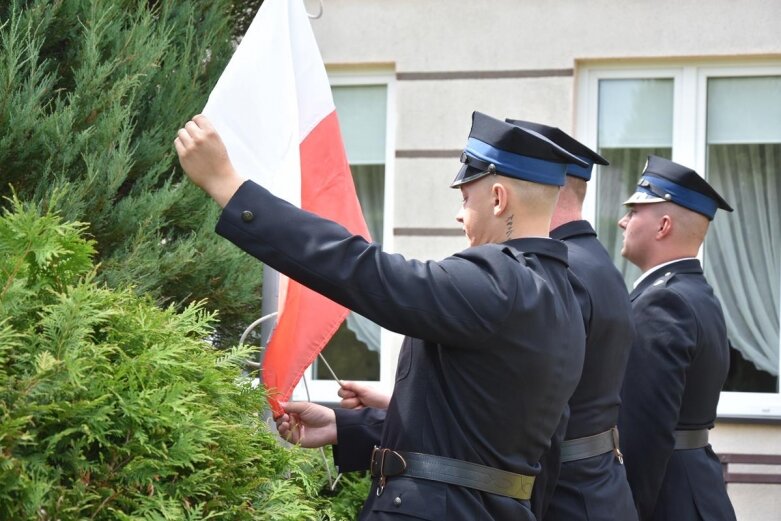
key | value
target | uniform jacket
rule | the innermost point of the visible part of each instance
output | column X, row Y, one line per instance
column 494, row 345
column 594, row 488
column 676, row 370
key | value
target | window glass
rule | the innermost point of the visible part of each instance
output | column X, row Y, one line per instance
column 742, row 255
column 362, row 117
column 635, row 119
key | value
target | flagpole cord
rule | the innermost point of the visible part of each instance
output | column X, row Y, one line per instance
column 331, row 481
column 254, row 325
column 328, row 366
column 251, row 363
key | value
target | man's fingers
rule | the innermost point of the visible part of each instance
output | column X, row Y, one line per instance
column 202, row 121
column 295, row 407
column 351, row 403
column 185, row 137
column 193, row 129
column 292, row 431
column 289, row 428
column 346, row 393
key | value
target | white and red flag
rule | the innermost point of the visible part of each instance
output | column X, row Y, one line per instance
column 274, row 110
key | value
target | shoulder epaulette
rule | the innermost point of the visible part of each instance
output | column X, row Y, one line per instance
column 663, row 280
column 512, row 252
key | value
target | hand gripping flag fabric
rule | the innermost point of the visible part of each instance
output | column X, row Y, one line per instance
column 274, row 110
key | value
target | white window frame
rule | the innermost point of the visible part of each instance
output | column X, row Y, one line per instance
column 689, row 127
column 324, row 391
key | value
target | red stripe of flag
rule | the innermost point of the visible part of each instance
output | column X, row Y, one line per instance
column 308, row 319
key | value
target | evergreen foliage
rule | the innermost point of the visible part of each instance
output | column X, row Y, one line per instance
column 92, row 93
column 112, row 408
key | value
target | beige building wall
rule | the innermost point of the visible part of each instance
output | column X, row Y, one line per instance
column 521, row 59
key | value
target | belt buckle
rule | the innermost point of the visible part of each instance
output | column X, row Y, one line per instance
column 616, row 449
column 383, row 453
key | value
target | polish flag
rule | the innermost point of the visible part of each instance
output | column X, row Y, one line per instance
column 274, row 110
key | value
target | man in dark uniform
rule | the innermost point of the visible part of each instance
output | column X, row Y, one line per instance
column 495, row 339
column 591, row 480
column 680, row 356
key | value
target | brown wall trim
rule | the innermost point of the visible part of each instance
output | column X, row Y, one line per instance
column 428, row 232
column 429, row 154
column 483, row 75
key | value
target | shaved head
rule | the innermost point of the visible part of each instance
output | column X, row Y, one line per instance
column 536, row 197
column 689, row 227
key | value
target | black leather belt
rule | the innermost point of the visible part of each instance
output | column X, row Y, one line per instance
column 685, row 440
column 388, row 463
column 590, row 446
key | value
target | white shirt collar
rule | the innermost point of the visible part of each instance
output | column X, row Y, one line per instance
column 644, row 275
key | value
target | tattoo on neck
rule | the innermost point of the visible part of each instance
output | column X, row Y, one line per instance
column 508, row 227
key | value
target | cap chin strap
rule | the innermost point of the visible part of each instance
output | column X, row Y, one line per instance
column 680, row 195
column 529, row 168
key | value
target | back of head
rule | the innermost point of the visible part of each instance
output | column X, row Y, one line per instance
column 570, row 202
column 534, row 197
column 689, row 228
column 568, row 143
column 574, row 191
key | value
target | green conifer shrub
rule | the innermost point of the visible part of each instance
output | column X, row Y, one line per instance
column 112, row 408
column 92, row 93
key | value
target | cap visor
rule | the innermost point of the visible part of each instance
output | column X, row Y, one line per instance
column 467, row 174
column 643, row 198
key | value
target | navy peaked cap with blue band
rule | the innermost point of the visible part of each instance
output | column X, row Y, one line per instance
column 569, row 144
column 665, row 181
column 497, row 147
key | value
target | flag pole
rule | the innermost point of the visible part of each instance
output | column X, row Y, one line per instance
column 269, row 304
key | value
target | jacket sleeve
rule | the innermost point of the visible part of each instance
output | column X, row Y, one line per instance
column 454, row 302
column 653, row 390
column 358, row 431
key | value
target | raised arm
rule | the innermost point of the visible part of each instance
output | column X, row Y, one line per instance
column 458, row 301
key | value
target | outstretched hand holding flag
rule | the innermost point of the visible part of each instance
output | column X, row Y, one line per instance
column 274, row 110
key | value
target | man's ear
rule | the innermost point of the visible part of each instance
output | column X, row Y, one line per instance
column 500, row 197
column 665, row 227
